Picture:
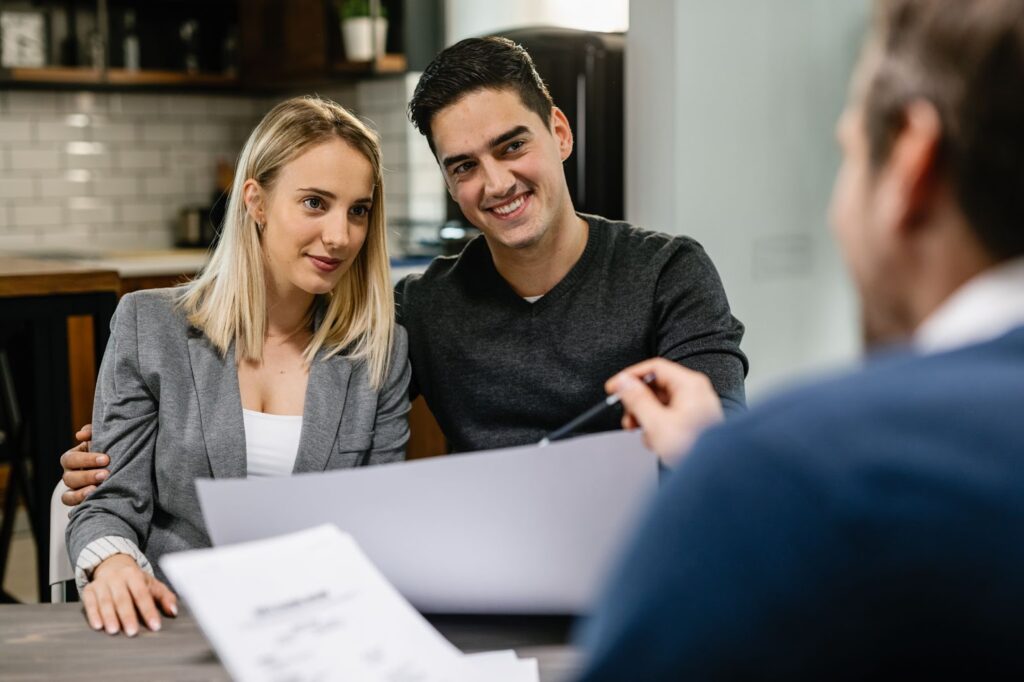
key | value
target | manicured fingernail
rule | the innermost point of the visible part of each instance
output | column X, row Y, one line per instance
column 96, row 625
column 131, row 632
column 101, row 459
column 102, row 475
column 154, row 625
column 111, row 629
column 174, row 609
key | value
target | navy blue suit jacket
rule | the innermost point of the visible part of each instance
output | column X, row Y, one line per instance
column 872, row 525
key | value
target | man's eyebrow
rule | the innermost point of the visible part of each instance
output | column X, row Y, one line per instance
column 500, row 139
column 316, row 190
column 505, row 137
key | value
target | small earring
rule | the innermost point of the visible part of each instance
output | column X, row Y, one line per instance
column 259, row 227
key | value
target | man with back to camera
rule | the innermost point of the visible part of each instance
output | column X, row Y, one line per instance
column 516, row 336
column 872, row 525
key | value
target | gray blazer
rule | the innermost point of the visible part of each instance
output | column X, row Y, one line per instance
column 168, row 411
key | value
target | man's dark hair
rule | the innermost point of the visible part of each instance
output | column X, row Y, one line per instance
column 965, row 57
column 477, row 64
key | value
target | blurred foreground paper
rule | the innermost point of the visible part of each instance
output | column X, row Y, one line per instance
column 522, row 530
column 311, row 606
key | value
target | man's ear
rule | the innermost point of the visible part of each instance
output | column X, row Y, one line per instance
column 562, row 131
column 252, row 196
column 911, row 176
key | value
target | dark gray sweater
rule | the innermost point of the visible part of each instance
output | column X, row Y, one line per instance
column 498, row 371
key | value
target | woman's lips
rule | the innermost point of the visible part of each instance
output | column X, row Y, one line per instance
column 324, row 264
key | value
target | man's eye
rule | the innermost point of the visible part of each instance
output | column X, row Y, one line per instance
column 515, row 146
column 313, row 203
column 462, row 168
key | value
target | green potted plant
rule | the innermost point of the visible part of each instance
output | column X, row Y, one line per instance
column 360, row 30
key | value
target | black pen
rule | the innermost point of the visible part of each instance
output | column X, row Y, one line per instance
column 591, row 414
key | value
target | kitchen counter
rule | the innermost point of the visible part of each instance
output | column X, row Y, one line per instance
column 38, row 277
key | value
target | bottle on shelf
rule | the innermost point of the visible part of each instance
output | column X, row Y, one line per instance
column 130, row 45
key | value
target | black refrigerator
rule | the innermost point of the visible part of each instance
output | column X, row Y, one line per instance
column 584, row 73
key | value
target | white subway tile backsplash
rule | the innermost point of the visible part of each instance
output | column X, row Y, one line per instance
column 85, row 102
column 15, row 130
column 119, row 186
column 90, row 210
column 18, row 240
column 31, row 102
column 32, row 215
column 59, row 187
column 187, row 105
column 98, row 159
column 106, row 130
column 112, row 170
column 163, row 132
column 137, row 105
column 29, row 159
column 164, row 185
column 139, row 212
column 211, row 132
column 15, row 187
column 140, row 159
column 58, row 130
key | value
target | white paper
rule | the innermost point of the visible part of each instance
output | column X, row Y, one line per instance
column 311, row 606
column 519, row 530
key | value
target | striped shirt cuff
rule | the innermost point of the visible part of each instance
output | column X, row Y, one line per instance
column 103, row 548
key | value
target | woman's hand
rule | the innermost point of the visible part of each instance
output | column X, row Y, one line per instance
column 120, row 592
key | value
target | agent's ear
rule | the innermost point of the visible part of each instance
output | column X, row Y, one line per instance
column 562, row 131
column 253, row 197
column 910, row 177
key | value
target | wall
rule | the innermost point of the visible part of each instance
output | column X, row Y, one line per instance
column 469, row 18
column 104, row 170
column 107, row 171
column 739, row 153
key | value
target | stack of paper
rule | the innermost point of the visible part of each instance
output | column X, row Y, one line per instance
column 522, row 530
column 311, row 606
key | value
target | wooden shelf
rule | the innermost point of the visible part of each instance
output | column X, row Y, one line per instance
column 385, row 64
column 59, row 75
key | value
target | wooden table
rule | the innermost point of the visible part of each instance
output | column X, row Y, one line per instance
column 51, row 642
column 43, row 294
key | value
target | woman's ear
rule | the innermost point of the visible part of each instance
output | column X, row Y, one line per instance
column 252, row 196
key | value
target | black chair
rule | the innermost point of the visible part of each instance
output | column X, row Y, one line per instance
column 13, row 449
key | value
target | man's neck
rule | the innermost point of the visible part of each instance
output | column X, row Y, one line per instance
column 536, row 269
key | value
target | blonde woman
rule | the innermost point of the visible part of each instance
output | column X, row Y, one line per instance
column 283, row 356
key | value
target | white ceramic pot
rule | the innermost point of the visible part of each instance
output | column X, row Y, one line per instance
column 356, row 35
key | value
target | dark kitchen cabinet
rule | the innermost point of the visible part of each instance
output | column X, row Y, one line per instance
column 197, row 44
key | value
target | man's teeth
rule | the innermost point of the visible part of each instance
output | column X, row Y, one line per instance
column 509, row 207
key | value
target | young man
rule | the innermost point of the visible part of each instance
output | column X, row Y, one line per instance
column 870, row 526
column 516, row 336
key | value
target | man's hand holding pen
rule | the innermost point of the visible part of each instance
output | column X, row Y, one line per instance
column 672, row 409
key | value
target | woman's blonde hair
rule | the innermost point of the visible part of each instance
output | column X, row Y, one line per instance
column 228, row 302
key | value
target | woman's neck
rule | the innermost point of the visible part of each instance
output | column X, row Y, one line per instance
column 287, row 311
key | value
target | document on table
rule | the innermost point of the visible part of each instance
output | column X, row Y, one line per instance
column 519, row 530
column 311, row 606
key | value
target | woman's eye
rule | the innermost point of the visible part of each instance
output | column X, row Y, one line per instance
column 313, row 203
column 360, row 211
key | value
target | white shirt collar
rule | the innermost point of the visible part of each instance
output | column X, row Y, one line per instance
column 985, row 307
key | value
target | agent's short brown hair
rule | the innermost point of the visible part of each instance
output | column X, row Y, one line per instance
column 965, row 57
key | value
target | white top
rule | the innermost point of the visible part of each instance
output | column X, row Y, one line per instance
column 985, row 307
column 532, row 299
column 271, row 445
column 271, row 442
